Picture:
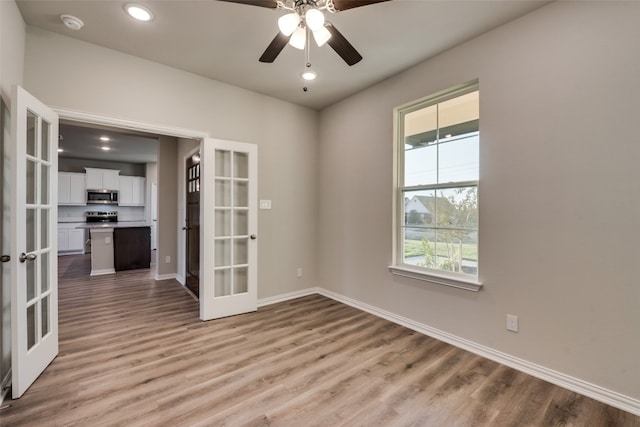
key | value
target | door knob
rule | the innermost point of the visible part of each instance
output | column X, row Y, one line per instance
column 5, row 258
column 27, row 257
column 186, row 228
column 253, row 237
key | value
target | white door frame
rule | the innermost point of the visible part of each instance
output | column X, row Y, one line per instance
column 101, row 120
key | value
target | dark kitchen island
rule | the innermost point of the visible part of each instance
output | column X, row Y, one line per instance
column 131, row 248
column 119, row 246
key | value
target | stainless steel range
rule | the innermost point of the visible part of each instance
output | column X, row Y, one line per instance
column 95, row 216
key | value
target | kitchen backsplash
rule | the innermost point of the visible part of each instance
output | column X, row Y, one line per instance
column 77, row 213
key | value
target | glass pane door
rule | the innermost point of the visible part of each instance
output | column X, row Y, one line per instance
column 231, row 248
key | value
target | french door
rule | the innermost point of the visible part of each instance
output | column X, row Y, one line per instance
column 33, row 218
column 229, row 224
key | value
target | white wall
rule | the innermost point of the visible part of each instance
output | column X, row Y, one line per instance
column 559, row 192
column 12, row 45
column 80, row 76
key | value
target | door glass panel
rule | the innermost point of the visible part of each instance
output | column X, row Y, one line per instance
column 223, row 193
column 240, row 222
column 240, row 251
column 223, row 222
column 222, row 252
column 31, row 182
column 31, row 326
column 44, row 184
column 44, row 272
column 31, row 229
column 31, row 279
column 240, row 280
column 32, row 121
column 44, row 228
column 44, row 147
column 223, row 163
column 241, row 194
column 45, row 315
column 222, row 282
column 240, row 165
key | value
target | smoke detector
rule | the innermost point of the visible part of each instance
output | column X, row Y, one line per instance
column 71, row 22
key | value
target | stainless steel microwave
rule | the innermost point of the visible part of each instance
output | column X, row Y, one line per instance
column 102, row 197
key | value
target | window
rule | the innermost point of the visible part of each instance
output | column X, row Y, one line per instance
column 436, row 189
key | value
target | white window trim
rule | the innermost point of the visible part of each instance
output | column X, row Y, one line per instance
column 398, row 268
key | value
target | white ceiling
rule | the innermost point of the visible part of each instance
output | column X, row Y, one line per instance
column 223, row 41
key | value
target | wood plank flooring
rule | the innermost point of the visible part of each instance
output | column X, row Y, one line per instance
column 134, row 353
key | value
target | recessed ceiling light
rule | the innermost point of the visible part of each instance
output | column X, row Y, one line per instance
column 105, row 148
column 104, row 138
column 138, row 12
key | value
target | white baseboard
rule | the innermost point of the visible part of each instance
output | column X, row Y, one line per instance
column 102, row 272
column 285, row 297
column 577, row 385
column 166, row 276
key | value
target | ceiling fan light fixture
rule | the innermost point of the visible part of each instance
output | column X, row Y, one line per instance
column 308, row 74
column 321, row 36
column 314, row 19
column 299, row 38
column 288, row 23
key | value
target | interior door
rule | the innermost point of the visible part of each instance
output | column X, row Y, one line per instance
column 228, row 212
column 192, row 224
column 34, row 271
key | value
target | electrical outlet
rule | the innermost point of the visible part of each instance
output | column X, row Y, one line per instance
column 167, row 259
column 512, row 323
column 107, row 240
column 299, row 271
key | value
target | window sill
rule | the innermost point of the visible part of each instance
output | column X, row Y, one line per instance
column 454, row 282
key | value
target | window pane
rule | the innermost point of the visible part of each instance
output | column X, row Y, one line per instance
column 32, row 122
column 420, row 135
column 240, row 280
column 45, row 315
column 44, row 138
column 241, row 165
column 44, row 184
column 419, row 247
column 458, row 208
column 455, row 252
column 419, row 208
column 31, row 182
column 222, row 282
column 31, row 326
column 462, row 109
column 421, row 166
column 458, row 159
column 223, row 163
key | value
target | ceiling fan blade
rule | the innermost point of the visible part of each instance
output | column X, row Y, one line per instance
column 271, row 4
column 342, row 47
column 275, row 47
column 350, row 4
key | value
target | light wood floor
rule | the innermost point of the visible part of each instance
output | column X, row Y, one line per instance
column 133, row 352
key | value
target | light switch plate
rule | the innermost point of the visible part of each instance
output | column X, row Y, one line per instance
column 265, row 204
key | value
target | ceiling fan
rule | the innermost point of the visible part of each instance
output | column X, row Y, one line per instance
column 305, row 17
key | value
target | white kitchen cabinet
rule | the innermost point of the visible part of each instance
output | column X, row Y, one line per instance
column 102, row 179
column 70, row 238
column 71, row 189
column 132, row 191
